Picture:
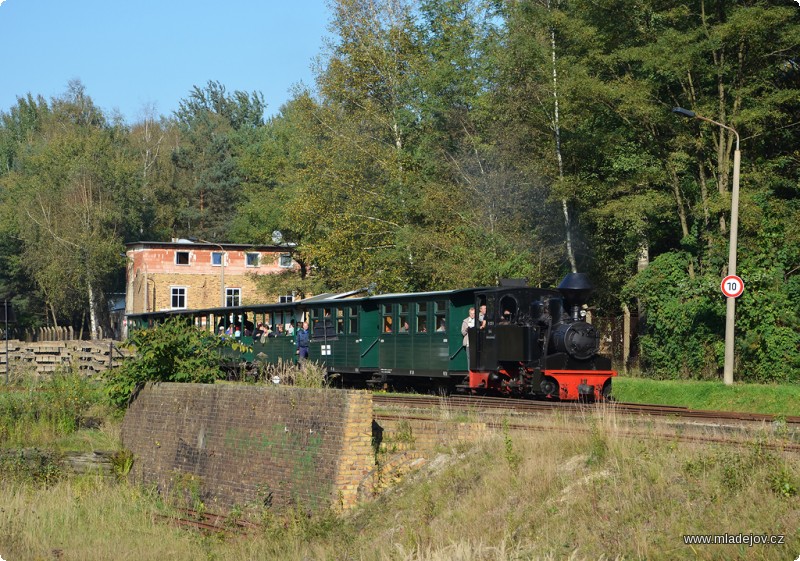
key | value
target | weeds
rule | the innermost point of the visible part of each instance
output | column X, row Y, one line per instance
column 598, row 447
column 121, row 463
column 512, row 456
column 304, row 375
column 41, row 413
column 31, row 466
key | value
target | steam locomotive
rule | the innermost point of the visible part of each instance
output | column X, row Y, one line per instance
column 525, row 342
column 536, row 342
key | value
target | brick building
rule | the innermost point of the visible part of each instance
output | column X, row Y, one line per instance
column 190, row 275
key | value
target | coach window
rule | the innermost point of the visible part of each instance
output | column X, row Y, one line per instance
column 387, row 319
column 440, row 313
column 340, row 321
column 402, row 319
column 353, row 321
column 422, row 317
column 181, row 257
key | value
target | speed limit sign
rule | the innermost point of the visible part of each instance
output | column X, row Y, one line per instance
column 732, row 286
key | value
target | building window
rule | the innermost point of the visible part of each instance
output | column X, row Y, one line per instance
column 233, row 297
column 252, row 259
column 285, row 299
column 285, row 260
column 216, row 258
column 181, row 257
column 178, row 297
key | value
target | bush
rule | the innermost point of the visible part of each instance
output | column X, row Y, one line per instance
column 685, row 322
column 684, row 318
column 173, row 351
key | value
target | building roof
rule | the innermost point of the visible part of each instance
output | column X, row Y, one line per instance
column 188, row 244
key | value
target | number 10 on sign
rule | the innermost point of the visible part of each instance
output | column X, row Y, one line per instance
column 732, row 286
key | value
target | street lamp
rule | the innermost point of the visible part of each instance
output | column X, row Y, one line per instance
column 222, row 267
column 730, row 312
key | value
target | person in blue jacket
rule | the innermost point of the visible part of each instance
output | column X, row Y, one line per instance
column 302, row 342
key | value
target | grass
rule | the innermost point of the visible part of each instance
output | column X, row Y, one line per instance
column 510, row 496
column 753, row 398
column 55, row 413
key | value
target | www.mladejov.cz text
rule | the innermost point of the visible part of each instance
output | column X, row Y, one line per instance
column 733, row 539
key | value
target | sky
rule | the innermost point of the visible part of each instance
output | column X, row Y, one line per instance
column 134, row 54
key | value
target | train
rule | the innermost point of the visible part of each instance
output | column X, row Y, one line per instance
column 524, row 342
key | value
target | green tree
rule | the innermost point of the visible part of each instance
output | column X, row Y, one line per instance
column 70, row 190
column 214, row 126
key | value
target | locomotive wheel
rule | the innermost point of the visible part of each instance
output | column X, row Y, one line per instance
column 549, row 386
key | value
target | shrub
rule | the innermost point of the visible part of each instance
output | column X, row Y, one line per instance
column 173, row 351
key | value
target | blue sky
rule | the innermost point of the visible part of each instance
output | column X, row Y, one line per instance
column 139, row 52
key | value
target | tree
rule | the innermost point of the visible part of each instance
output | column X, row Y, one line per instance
column 214, row 126
column 69, row 189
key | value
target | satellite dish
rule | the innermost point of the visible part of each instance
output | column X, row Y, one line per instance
column 277, row 237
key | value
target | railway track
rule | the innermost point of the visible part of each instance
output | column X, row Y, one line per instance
column 209, row 522
column 677, row 423
column 523, row 406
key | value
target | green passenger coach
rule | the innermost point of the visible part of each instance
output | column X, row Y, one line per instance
column 364, row 338
column 392, row 334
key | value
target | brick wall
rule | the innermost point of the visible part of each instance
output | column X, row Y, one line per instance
column 202, row 290
column 243, row 444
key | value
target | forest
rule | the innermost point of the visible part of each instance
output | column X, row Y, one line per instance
column 452, row 143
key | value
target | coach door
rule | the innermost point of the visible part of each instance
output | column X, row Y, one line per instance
column 369, row 319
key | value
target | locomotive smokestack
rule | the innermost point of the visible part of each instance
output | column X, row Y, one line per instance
column 576, row 289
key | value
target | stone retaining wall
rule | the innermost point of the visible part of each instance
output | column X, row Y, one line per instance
column 239, row 445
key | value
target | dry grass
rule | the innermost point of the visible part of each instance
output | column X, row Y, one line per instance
column 561, row 494
column 306, row 374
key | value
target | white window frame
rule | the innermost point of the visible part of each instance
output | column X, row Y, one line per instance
column 230, row 294
column 188, row 258
column 281, row 258
column 247, row 259
column 172, row 296
column 221, row 258
column 285, row 299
